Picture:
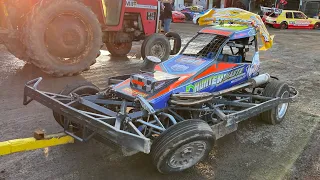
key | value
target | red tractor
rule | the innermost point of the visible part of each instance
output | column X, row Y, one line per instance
column 64, row 37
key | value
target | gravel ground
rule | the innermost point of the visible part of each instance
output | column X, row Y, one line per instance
column 256, row 151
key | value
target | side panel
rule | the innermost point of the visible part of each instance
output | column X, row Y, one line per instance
column 210, row 83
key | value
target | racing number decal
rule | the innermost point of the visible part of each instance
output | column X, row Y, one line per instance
column 151, row 16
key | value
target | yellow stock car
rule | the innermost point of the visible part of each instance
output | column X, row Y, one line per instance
column 290, row 19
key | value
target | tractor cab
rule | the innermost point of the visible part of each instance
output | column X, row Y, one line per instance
column 113, row 10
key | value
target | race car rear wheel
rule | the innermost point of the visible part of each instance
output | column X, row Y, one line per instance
column 182, row 145
column 316, row 25
column 283, row 25
column 81, row 89
column 277, row 114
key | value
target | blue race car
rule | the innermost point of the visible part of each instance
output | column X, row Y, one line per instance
column 177, row 109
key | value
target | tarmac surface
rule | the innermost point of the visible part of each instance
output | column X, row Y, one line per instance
column 259, row 151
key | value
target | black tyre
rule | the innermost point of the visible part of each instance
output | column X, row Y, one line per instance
column 62, row 37
column 283, row 25
column 177, row 42
column 156, row 45
column 316, row 26
column 119, row 49
column 81, row 89
column 15, row 46
column 276, row 89
column 188, row 16
column 182, row 145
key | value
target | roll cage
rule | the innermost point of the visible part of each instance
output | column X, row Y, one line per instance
column 213, row 45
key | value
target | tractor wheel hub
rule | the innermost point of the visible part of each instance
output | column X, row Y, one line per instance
column 66, row 36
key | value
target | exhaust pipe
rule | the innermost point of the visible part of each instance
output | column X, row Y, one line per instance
column 259, row 80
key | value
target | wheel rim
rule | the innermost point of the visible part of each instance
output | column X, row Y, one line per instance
column 188, row 155
column 282, row 108
column 67, row 37
column 158, row 50
column 317, row 26
column 283, row 26
column 119, row 46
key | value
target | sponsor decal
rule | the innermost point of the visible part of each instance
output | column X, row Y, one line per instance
column 160, row 85
column 179, row 67
column 134, row 92
column 191, row 61
column 151, row 16
column 301, row 22
column 131, row 3
column 134, row 4
column 215, row 80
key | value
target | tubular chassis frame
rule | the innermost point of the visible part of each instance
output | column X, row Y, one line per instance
column 121, row 127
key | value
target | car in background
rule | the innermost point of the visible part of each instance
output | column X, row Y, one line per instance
column 190, row 11
column 178, row 17
column 196, row 16
column 291, row 19
column 265, row 15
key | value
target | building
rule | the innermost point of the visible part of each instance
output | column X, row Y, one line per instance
column 311, row 8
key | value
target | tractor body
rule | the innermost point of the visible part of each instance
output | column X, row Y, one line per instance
column 73, row 31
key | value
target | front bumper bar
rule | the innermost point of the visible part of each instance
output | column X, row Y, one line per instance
column 104, row 124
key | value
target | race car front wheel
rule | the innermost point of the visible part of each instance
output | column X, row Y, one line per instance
column 81, row 89
column 182, row 145
column 316, row 26
column 283, row 25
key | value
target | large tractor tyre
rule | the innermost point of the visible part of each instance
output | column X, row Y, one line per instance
column 277, row 114
column 81, row 89
column 182, row 145
column 63, row 37
column 156, row 45
column 16, row 48
column 176, row 42
column 119, row 49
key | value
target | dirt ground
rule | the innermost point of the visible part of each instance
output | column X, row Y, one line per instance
column 256, row 151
